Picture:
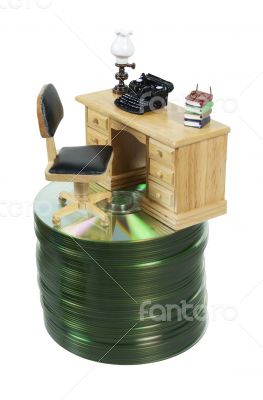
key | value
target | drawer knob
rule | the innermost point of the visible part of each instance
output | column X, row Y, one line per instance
column 96, row 121
column 158, row 195
column 160, row 153
column 96, row 141
column 160, row 174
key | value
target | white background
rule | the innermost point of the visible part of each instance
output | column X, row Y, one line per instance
column 67, row 43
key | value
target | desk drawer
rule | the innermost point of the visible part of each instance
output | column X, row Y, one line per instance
column 161, row 153
column 94, row 137
column 160, row 194
column 98, row 121
column 160, row 172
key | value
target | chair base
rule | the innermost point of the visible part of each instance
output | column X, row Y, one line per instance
column 81, row 200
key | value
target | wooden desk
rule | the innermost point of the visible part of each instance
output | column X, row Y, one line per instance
column 184, row 167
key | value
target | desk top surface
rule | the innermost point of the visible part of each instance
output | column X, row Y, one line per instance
column 165, row 125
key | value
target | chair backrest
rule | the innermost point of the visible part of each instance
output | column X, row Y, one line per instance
column 49, row 111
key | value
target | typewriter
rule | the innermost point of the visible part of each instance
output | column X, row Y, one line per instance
column 148, row 93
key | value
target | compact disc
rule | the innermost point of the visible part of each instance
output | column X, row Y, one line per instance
column 103, row 288
column 127, row 221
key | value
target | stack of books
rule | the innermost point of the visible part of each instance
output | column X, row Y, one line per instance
column 198, row 108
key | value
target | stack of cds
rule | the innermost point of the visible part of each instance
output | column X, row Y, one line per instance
column 198, row 108
column 132, row 292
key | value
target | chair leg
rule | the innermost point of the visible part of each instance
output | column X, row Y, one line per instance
column 80, row 199
column 96, row 197
column 63, row 196
column 71, row 208
column 98, row 212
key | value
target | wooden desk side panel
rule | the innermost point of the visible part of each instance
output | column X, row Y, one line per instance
column 200, row 170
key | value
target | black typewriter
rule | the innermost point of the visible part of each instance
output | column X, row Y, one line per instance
column 148, row 93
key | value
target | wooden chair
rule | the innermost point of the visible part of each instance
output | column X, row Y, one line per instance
column 80, row 165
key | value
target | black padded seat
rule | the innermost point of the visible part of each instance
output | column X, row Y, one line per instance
column 82, row 160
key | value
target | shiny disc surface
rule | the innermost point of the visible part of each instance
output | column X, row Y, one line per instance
column 127, row 221
column 132, row 293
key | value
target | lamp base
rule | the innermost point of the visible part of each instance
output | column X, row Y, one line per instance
column 122, row 76
column 120, row 89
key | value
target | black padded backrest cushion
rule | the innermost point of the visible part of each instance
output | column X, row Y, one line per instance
column 49, row 110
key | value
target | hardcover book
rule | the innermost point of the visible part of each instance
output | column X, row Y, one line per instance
column 198, row 98
column 199, row 110
column 197, row 124
column 197, row 117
